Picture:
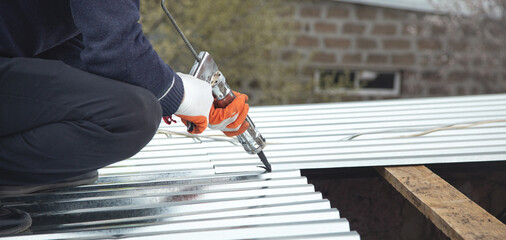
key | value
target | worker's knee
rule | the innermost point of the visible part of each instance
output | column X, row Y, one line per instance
column 138, row 115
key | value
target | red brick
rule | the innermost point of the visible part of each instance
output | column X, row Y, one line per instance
column 438, row 30
column 353, row 28
column 352, row 58
column 403, row 59
column 377, row 59
column 396, row 44
column 468, row 31
column 460, row 45
column 457, row 76
column 461, row 90
column 365, row 12
column 462, row 61
column 310, row 12
column 393, row 14
column 484, row 78
column 431, row 76
column 338, row 12
column 429, row 44
column 410, row 86
column 324, row 57
column 364, row 43
column 306, row 41
column 425, row 60
column 439, row 90
column 476, row 90
column 384, row 29
column 441, row 58
column 491, row 46
column 323, row 27
column 289, row 55
column 337, row 43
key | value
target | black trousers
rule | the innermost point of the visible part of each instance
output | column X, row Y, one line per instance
column 57, row 121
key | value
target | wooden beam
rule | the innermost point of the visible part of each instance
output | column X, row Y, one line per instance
column 450, row 210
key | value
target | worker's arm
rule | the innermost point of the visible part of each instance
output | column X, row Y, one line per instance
column 115, row 47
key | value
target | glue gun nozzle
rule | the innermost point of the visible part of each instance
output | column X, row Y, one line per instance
column 264, row 161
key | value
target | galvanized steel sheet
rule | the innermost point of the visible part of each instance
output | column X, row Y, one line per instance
column 207, row 187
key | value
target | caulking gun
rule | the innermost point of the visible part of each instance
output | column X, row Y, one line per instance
column 205, row 68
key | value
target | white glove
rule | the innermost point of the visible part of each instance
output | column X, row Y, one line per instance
column 196, row 104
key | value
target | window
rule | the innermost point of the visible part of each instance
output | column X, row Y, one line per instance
column 358, row 82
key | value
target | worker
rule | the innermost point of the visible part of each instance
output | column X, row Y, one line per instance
column 81, row 88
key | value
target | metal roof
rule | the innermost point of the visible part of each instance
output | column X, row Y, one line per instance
column 412, row 5
column 356, row 134
column 185, row 188
column 482, row 7
column 185, row 201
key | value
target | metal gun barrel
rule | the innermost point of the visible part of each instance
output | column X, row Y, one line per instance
column 206, row 69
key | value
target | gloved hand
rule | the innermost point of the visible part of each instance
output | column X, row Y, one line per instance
column 197, row 102
column 230, row 120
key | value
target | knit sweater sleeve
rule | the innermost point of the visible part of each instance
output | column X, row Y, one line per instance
column 115, row 47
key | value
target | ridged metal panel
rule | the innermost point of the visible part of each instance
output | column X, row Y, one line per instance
column 335, row 135
column 179, row 196
column 160, row 203
column 186, row 188
column 410, row 5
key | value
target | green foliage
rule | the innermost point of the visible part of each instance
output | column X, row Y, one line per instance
column 337, row 80
column 242, row 36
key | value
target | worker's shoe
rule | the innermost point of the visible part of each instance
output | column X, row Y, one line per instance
column 13, row 221
column 87, row 178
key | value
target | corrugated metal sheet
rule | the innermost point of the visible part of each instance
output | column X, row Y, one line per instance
column 435, row 6
column 412, row 5
column 317, row 136
column 185, row 188
column 187, row 201
column 336, row 135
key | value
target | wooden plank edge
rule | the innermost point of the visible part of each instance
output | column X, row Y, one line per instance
column 451, row 211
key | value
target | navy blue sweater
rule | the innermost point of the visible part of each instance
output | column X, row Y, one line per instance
column 99, row 36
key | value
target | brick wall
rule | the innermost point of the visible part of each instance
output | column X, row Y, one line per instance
column 433, row 62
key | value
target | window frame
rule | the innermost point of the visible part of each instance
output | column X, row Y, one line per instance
column 357, row 90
